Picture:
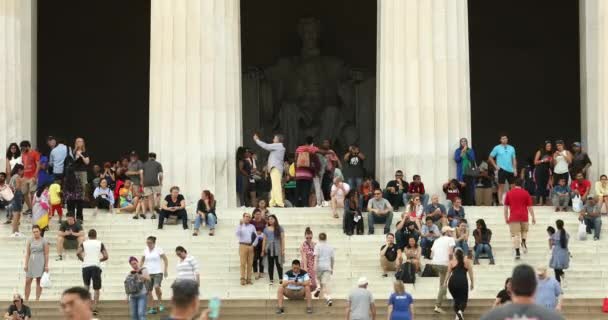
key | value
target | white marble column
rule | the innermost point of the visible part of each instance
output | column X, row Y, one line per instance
column 17, row 73
column 594, row 83
column 195, row 95
column 423, row 96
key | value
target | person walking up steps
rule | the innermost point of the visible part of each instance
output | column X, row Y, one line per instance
column 458, row 282
column 324, row 262
column 518, row 204
column 89, row 253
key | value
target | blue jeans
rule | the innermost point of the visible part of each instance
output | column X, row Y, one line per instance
column 211, row 221
column 354, row 182
column 595, row 224
column 137, row 303
column 481, row 248
column 464, row 246
column 372, row 217
column 426, row 245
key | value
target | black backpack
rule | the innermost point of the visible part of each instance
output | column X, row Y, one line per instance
column 408, row 273
column 69, row 159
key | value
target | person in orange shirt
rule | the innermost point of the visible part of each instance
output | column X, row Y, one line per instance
column 31, row 165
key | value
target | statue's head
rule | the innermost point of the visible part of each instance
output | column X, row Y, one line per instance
column 309, row 30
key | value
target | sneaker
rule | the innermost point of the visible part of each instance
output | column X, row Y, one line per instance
column 596, row 238
column 135, row 217
column 459, row 315
column 17, row 235
column 317, row 292
column 517, row 256
column 384, row 275
column 280, row 311
column 524, row 247
column 438, row 310
column 309, row 310
column 152, row 311
column 153, row 216
column 59, row 258
column 143, row 216
column 161, row 308
column 330, row 303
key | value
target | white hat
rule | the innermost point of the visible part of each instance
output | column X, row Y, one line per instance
column 362, row 281
column 446, row 229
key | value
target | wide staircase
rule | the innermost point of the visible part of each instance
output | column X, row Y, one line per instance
column 356, row 256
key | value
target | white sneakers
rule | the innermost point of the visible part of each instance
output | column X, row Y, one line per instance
column 17, row 235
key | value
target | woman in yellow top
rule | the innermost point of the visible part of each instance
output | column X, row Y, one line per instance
column 601, row 190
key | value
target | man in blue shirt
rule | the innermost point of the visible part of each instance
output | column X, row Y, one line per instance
column 59, row 152
column 295, row 286
column 505, row 163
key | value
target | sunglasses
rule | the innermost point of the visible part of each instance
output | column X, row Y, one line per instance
column 376, row 193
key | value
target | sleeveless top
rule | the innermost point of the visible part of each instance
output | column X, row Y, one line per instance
column 561, row 165
column 459, row 276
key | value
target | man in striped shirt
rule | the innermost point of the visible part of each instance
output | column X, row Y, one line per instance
column 187, row 266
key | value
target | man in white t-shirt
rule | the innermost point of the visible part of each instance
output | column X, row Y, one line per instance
column 441, row 253
column 92, row 253
column 324, row 262
column 339, row 190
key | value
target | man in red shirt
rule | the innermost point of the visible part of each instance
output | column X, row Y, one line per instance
column 581, row 186
column 31, row 164
column 519, row 202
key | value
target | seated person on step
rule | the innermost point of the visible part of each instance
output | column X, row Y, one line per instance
column 482, row 236
column 455, row 213
column 295, row 286
column 173, row 205
column 71, row 231
column 379, row 210
column 353, row 218
column 18, row 310
column 395, row 189
column 416, row 188
column 388, row 255
column 405, row 229
column 430, row 232
column 462, row 236
column 452, row 189
column 601, row 192
column 436, row 211
column 561, row 195
column 592, row 217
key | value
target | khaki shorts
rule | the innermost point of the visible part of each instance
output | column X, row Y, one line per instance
column 28, row 186
column 294, row 294
column 324, row 277
column 148, row 191
column 387, row 265
column 518, row 228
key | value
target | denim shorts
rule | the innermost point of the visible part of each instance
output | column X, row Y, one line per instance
column 16, row 204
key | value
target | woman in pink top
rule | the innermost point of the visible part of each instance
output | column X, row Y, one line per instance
column 307, row 252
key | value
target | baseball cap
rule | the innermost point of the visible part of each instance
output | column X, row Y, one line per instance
column 577, row 144
column 446, row 229
column 133, row 153
column 362, row 281
column 590, row 197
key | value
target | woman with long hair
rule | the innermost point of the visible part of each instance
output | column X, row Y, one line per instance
column 205, row 213
column 482, row 236
column 412, row 253
column 73, row 193
column 465, row 159
column 400, row 303
column 504, row 295
column 263, row 207
column 258, row 259
column 352, row 210
column 36, row 261
column 273, row 246
column 560, row 255
column 460, row 271
column 561, row 162
column 244, row 174
column 307, row 255
column 81, row 163
column 415, row 210
column 542, row 172
column 13, row 157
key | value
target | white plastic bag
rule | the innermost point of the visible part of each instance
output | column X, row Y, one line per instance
column 45, row 281
column 582, row 231
column 577, row 204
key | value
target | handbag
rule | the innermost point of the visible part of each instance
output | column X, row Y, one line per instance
column 429, row 271
column 408, row 273
column 45, row 280
column 582, row 231
column 472, row 171
column 577, row 204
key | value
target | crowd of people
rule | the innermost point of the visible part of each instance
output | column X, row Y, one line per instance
column 430, row 236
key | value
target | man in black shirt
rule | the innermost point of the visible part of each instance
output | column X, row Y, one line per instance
column 69, row 230
column 17, row 310
column 388, row 255
column 394, row 190
column 580, row 161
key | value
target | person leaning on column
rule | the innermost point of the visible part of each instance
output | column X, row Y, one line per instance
column 248, row 239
